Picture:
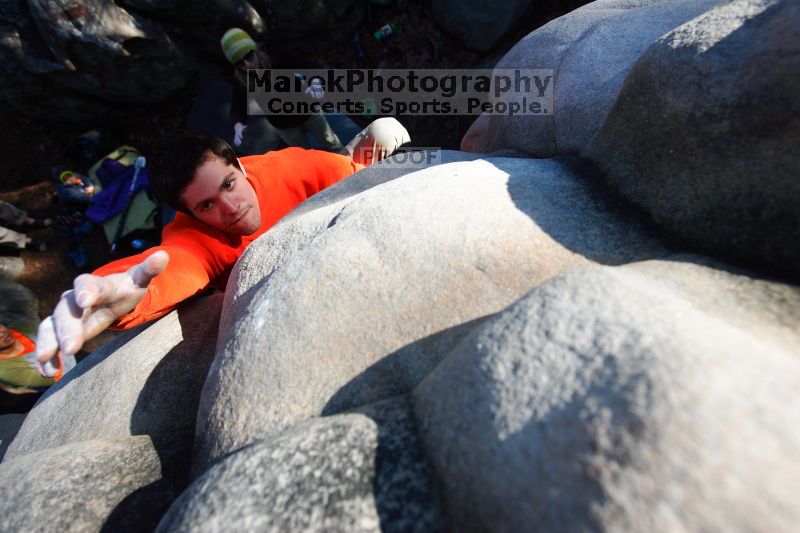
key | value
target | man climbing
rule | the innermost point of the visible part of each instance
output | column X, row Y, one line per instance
column 224, row 204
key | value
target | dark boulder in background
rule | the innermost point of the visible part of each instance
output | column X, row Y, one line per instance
column 84, row 61
column 203, row 22
column 477, row 23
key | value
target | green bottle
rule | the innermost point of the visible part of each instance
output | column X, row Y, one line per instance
column 385, row 31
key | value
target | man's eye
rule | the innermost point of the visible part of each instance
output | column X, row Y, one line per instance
column 205, row 206
column 229, row 185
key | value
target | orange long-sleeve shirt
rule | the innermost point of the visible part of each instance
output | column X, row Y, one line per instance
column 201, row 256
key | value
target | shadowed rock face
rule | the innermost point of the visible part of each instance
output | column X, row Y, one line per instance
column 705, row 134
column 201, row 20
column 84, row 62
column 80, row 61
column 355, row 472
column 477, row 23
column 9, row 426
column 480, row 343
column 85, row 486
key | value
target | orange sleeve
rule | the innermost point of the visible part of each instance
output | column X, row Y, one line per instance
column 326, row 169
column 198, row 254
column 305, row 172
column 185, row 276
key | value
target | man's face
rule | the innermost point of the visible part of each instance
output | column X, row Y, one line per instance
column 220, row 195
column 249, row 61
column 6, row 339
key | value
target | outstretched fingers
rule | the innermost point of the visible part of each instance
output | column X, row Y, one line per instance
column 61, row 331
column 91, row 291
column 89, row 308
column 46, row 344
column 68, row 322
column 149, row 268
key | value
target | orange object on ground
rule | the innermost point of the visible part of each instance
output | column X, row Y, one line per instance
column 201, row 256
column 27, row 344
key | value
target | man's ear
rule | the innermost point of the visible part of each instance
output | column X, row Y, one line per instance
column 241, row 167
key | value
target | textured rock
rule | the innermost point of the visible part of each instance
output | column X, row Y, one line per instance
column 406, row 493
column 706, row 133
column 74, row 61
column 354, row 472
column 83, row 61
column 384, row 171
column 85, row 486
column 650, row 397
column 140, row 384
column 203, row 21
column 27, row 91
column 9, row 426
column 590, row 50
column 30, row 89
column 477, row 23
column 103, row 50
column 324, row 297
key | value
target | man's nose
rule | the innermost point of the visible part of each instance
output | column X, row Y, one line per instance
column 229, row 206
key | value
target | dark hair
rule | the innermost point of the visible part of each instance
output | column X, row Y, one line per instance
column 177, row 157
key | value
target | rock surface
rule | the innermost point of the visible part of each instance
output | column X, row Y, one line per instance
column 202, row 21
column 353, row 472
column 590, row 51
column 477, row 23
column 25, row 64
column 140, row 384
column 82, row 61
column 86, row 61
column 9, row 426
column 385, row 171
column 85, row 486
column 706, row 133
column 100, row 49
column 652, row 397
column 367, row 283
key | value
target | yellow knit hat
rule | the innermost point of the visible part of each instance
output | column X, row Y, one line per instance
column 236, row 44
column 65, row 175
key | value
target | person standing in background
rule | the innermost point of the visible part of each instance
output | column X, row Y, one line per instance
column 243, row 53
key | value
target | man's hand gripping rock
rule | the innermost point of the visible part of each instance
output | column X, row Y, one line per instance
column 92, row 305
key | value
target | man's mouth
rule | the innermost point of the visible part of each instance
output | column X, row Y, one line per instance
column 239, row 218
